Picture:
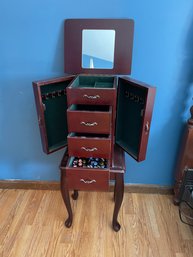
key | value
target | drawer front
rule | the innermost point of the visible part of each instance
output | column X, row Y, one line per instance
column 89, row 146
column 89, row 122
column 84, row 179
column 91, row 96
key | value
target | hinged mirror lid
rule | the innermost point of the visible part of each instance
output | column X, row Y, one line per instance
column 98, row 46
column 134, row 112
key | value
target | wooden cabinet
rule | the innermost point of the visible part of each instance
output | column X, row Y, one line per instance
column 186, row 157
column 94, row 129
column 96, row 115
column 127, row 119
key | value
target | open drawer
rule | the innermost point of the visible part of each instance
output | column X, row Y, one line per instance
column 83, row 178
column 89, row 119
column 89, row 145
column 92, row 89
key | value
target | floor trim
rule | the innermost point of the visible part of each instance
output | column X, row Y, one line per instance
column 55, row 185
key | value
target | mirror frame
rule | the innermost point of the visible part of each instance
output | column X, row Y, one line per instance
column 124, row 29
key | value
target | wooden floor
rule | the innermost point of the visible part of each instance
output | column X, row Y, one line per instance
column 31, row 224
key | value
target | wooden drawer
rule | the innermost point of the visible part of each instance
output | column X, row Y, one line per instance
column 92, row 89
column 87, row 178
column 89, row 119
column 89, row 145
column 91, row 96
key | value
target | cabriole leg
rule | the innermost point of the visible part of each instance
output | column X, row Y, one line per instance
column 118, row 195
column 66, row 198
column 75, row 195
column 114, row 194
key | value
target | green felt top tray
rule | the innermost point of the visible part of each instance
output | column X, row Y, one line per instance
column 94, row 81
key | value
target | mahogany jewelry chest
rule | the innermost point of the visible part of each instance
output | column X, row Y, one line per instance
column 95, row 114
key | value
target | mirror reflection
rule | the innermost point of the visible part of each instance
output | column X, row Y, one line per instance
column 98, row 49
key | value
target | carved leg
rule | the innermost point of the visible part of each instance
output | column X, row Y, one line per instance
column 119, row 191
column 75, row 195
column 114, row 195
column 66, row 198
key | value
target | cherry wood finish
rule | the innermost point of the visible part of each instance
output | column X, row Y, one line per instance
column 75, row 195
column 118, row 198
column 118, row 160
column 89, row 146
column 83, row 121
column 146, row 121
column 185, row 158
column 91, row 96
column 40, row 107
column 101, row 121
column 87, row 179
column 110, row 120
column 89, row 122
column 71, row 179
column 147, row 115
column 124, row 29
column 65, row 190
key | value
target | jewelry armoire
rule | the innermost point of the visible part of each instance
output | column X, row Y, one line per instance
column 95, row 112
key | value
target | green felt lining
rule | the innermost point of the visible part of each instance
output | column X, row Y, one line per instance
column 130, row 118
column 94, row 81
column 55, row 116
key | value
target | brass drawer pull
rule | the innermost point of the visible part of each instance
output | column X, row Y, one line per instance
column 92, row 96
column 87, row 181
column 89, row 124
column 89, row 149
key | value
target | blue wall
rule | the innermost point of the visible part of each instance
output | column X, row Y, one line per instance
column 97, row 62
column 31, row 48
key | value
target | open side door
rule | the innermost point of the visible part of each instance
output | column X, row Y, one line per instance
column 51, row 104
column 134, row 112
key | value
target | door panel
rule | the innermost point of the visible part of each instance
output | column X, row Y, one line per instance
column 51, row 104
column 134, row 112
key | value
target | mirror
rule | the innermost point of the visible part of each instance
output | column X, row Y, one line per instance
column 98, row 46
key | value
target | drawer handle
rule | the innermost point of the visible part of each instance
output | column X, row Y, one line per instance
column 87, row 181
column 89, row 124
column 92, row 96
column 89, row 149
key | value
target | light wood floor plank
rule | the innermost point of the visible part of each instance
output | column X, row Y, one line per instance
column 32, row 225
